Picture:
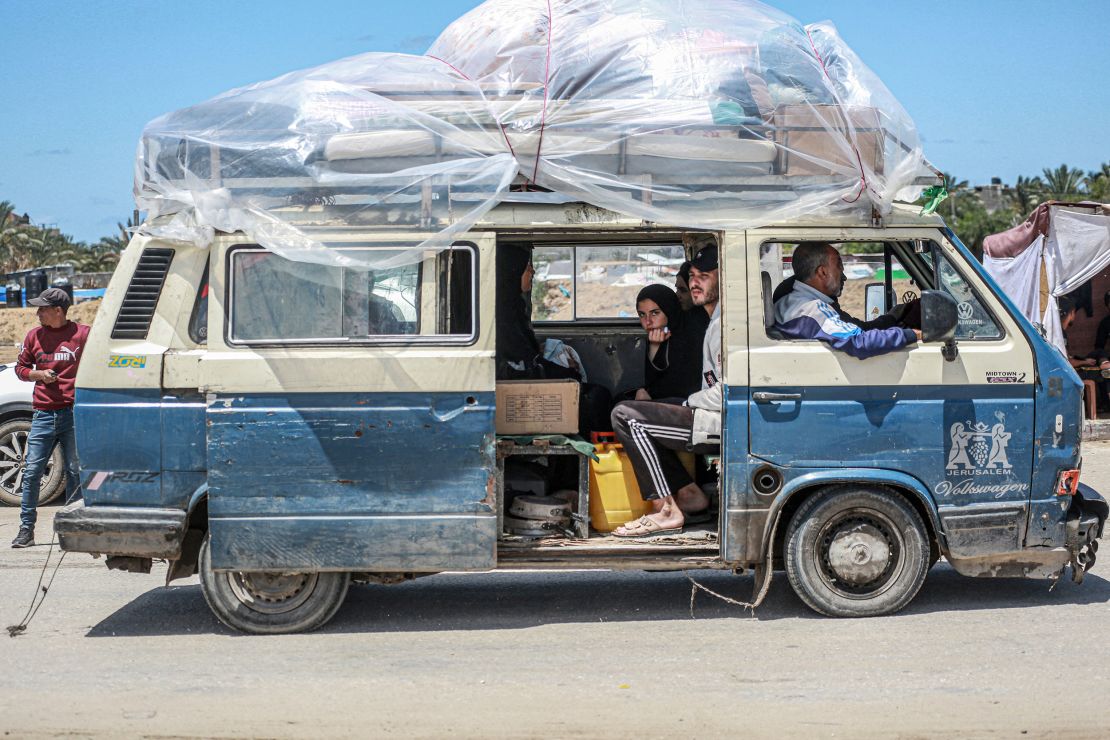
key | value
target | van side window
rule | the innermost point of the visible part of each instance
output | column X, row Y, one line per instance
column 274, row 300
column 198, row 319
column 598, row 282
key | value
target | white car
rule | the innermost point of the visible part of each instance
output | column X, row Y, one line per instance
column 15, row 423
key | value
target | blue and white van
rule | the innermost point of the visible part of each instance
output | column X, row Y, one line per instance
column 240, row 416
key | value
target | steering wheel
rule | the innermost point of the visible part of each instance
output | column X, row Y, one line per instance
column 908, row 296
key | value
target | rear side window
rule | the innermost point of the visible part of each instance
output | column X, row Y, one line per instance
column 274, row 300
column 598, row 282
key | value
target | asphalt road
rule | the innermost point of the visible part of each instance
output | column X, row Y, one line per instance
column 530, row 654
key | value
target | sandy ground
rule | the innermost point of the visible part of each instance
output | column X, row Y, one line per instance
column 16, row 322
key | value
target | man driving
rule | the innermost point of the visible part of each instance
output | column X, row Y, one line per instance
column 810, row 310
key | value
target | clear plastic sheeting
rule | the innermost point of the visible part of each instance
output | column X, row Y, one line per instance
column 700, row 114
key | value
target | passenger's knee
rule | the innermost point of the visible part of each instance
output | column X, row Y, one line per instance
column 619, row 415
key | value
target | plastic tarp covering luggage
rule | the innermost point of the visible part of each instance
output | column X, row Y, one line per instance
column 701, row 114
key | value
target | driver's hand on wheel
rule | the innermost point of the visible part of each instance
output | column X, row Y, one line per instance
column 908, row 314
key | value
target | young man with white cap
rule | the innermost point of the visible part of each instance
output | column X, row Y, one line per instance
column 49, row 358
column 652, row 432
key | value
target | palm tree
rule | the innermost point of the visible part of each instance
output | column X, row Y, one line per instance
column 1028, row 193
column 18, row 243
column 1063, row 183
column 1098, row 183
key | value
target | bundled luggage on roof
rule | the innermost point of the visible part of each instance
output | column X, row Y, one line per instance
column 708, row 114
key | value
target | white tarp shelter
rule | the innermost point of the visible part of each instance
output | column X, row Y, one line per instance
column 1064, row 244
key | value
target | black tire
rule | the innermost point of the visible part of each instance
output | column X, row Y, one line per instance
column 271, row 603
column 13, row 448
column 856, row 552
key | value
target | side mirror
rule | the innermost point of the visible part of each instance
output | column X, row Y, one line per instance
column 939, row 319
column 874, row 300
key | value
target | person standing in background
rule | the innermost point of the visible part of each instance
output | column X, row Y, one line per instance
column 49, row 358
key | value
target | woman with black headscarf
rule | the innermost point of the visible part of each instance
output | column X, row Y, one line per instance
column 519, row 351
column 672, row 361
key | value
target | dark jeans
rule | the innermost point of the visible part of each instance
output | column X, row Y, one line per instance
column 47, row 429
column 651, row 433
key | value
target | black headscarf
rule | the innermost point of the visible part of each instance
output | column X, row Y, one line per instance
column 516, row 341
column 675, row 372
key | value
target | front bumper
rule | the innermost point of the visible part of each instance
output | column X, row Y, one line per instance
column 121, row 530
column 1085, row 524
column 1088, row 512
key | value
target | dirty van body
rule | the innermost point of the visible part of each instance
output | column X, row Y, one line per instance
column 282, row 452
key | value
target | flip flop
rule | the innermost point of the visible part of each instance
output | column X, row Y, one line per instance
column 647, row 528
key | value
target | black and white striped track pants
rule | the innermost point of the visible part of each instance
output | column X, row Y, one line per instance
column 651, row 433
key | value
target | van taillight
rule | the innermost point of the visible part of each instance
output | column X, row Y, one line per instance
column 1067, row 483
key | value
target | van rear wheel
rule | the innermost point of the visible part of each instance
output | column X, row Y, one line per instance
column 271, row 603
column 856, row 552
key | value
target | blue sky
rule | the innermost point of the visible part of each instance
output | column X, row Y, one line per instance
column 997, row 87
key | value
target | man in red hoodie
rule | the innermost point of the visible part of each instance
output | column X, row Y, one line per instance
column 49, row 357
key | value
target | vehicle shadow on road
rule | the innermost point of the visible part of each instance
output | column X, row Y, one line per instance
column 525, row 600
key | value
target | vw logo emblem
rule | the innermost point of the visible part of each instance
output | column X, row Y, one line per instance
column 965, row 311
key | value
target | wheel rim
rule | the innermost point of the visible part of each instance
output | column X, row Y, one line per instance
column 13, row 458
column 272, row 593
column 859, row 553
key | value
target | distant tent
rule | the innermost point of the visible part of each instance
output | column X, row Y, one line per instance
column 1053, row 252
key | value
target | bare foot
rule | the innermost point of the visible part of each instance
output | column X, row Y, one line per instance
column 691, row 499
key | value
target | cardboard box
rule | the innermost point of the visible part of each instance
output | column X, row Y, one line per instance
column 537, row 407
column 802, row 131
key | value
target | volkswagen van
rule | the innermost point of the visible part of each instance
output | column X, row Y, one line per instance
column 248, row 419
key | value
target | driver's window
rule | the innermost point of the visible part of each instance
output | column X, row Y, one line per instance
column 865, row 264
column 975, row 321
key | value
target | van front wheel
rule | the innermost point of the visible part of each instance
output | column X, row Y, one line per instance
column 271, row 603
column 855, row 552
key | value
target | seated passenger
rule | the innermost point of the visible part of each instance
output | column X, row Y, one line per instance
column 682, row 287
column 1093, row 367
column 1100, row 351
column 520, row 354
column 809, row 311
column 652, row 432
column 672, row 360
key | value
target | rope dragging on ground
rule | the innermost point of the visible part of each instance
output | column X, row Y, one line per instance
column 695, row 587
column 764, row 587
column 14, row 630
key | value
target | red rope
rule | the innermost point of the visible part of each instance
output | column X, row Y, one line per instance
column 859, row 157
column 546, row 83
column 467, row 78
